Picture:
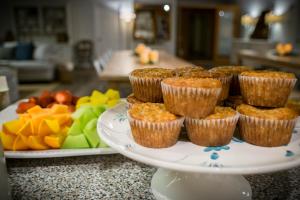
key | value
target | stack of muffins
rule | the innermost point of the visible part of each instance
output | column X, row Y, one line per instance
column 163, row 99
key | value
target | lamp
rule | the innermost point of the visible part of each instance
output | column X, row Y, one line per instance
column 272, row 18
column 248, row 20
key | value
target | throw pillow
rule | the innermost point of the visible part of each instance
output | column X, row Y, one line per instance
column 24, row 51
column 40, row 52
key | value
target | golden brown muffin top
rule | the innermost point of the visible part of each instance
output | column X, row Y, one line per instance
column 193, row 82
column 204, row 74
column 132, row 99
column 153, row 73
column 273, row 113
column 221, row 113
column 151, row 112
column 189, row 69
column 268, row 74
column 231, row 69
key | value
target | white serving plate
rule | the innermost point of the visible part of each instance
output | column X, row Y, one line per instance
column 238, row 157
column 9, row 113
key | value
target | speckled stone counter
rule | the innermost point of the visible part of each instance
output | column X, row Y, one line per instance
column 116, row 177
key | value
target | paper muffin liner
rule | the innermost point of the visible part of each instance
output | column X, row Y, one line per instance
column 265, row 132
column 155, row 134
column 225, row 87
column 129, row 105
column 146, row 89
column 190, row 102
column 267, row 92
column 211, row 132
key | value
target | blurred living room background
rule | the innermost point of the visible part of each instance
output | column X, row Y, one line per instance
column 50, row 44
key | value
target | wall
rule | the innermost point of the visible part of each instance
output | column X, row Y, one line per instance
column 107, row 30
column 83, row 23
column 5, row 18
column 79, row 16
column 80, row 20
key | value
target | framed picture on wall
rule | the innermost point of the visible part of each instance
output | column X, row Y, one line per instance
column 144, row 26
column 54, row 20
column 152, row 22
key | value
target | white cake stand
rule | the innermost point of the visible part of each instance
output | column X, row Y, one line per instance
column 187, row 171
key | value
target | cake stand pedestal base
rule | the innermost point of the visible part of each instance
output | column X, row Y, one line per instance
column 173, row 185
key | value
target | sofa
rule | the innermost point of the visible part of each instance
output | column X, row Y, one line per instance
column 36, row 62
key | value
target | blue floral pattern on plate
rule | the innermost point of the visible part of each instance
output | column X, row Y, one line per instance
column 289, row 153
column 121, row 117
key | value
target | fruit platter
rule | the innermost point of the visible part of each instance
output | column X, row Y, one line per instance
column 55, row 124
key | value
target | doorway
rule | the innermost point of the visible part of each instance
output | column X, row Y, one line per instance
column 205, row 33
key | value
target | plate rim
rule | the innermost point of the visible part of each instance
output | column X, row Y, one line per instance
column 266, row 168
column 58, row 153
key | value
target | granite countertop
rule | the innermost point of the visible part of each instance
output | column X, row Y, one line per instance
column 116, row 177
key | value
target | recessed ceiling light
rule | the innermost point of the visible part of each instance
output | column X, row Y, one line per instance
column 221, row 13
column 166, row 7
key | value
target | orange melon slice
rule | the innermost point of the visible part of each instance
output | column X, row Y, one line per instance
column 19, row 144
column 59, row 109
column 36, row 143
column 7, row 140
column 48, row 126
column 35, row 110
column 26, row 129
column 12, row 126
column 54, row 141
column 24, row 117
column 63, row 119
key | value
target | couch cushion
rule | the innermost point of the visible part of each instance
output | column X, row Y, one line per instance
column 24, row 51
column 6, row 53
column 31, row 64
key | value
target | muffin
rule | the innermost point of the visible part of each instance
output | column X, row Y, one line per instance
column 181, row 71
column 234, row 101
column 131, row 99
column 266, row 127
column 266, row 88
column 191, row 97
column 214, row 130
column 146, row 85
column 294, row 105
column 153, row 126
column 234, row 71
column 224, row 78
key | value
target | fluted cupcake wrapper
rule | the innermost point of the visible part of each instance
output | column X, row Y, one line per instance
column 190, row 102
column 129, row 105
column 155, row 134
column 267, row 92
column 211, row 132
column 146, row 89
column 225, row 87
column 265, row 132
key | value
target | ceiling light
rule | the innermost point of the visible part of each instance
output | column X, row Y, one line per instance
column 221, row 13
column 166, row 7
